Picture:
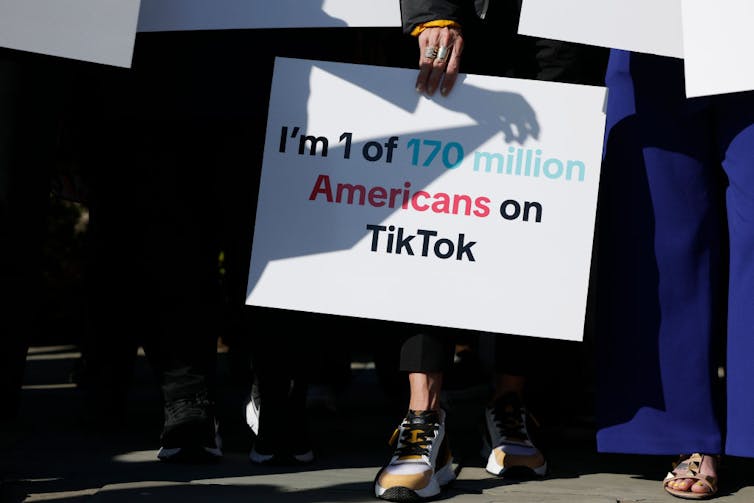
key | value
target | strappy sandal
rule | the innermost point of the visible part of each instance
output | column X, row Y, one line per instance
column 688, row 468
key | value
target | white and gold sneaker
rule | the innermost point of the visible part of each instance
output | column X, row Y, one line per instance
column 509, row 448
column 421, row 463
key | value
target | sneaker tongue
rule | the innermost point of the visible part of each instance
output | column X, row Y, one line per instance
column 423, row 417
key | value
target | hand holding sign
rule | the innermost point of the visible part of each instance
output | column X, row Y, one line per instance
column 439, row 59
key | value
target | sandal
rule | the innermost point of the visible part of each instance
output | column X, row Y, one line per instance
column 688, row 468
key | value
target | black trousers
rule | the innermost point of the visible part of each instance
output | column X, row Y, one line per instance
column 433, row 349
column 32, row 89
column 148, row 158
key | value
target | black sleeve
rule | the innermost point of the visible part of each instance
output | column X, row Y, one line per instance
column 416, row 12
column 570, row 62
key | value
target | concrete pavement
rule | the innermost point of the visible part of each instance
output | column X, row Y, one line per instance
column 50, row 454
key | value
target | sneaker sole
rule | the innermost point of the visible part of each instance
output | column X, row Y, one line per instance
column 442, row 478
column 516, row 472
column 193, row 454
column 401, row 494
column 272, row 459
column 189, row 454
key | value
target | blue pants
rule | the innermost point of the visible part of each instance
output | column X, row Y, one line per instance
column 675, row 258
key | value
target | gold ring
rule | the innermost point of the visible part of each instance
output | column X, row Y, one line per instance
column 442, row 53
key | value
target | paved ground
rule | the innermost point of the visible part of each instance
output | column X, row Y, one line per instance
column 51, row 455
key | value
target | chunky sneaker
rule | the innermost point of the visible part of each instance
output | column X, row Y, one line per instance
column 190, row 433
column 508, row 446
column 421, row 463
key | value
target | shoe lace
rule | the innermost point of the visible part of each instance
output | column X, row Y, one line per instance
column 187, row 410
column 510, row 419
column 415, row 440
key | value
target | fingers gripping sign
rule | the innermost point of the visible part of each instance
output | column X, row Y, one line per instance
column 439, row 59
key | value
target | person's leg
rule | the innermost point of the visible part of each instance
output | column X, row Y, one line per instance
column 156, row 237
column 659, row 265
column 183, row 271
column 659, row 268
column 425, row 388
column 425, row 357
column 281, row 361
column 736, row 138
column 506, row 383
column 30, row 104
column 174, row 270
column 113, row 279
column 421, row 462
column 515, row 357
column 509, row 446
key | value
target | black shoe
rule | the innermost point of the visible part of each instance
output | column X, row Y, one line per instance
column 509, row 448
column 190, row 434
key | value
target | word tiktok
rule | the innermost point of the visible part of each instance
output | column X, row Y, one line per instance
column 391, row 239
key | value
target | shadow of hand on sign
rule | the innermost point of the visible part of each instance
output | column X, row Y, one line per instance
column 492, row 110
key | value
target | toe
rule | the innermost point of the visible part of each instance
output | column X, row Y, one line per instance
column 682, row 484
column 699, row 487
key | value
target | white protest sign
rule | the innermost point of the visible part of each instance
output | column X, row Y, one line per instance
column 176, row 15
column 472, row 211
column 99, row 31
column 718, row 41
column 649, row 26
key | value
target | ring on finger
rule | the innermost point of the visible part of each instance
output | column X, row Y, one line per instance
column 430, row 52
column 442, row 53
